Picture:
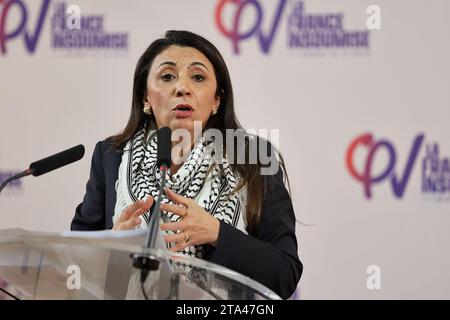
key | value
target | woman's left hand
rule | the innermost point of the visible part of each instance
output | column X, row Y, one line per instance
column 196, row 226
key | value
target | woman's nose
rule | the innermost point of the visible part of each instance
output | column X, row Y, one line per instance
column 182, row 88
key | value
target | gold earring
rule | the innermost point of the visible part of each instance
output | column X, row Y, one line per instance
column 147, row 108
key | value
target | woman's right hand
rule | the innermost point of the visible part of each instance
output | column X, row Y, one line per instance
column 130, row 216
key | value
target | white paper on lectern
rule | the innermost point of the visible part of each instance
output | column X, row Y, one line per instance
column 136, row 236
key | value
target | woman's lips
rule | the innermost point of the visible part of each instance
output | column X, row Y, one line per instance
column 183, row 113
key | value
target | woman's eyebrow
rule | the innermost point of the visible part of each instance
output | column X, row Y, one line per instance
column 196, row 63
column 170, row 63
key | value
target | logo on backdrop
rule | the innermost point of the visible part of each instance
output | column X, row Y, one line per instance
column 23, row 29
column 435, row 169
column 236, row 35
column 304, row 30
column 325, row 31
column 435, row 173
column 88, row 35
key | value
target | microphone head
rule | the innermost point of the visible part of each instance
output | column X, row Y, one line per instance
column 164, row 137
column 57, row 160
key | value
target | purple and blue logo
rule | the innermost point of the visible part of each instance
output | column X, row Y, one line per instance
column 236, row 35
column 23, row 29
column 89, row 35
column 435, row 170
column 304, row 30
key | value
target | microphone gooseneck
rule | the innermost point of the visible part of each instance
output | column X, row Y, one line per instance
column 143, row 261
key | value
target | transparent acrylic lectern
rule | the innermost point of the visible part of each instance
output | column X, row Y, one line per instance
column 98, row 265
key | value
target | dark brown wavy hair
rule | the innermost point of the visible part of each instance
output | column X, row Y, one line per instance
column 225, row 118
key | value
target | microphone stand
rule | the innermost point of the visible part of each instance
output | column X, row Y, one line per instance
column 145, row 261
column 15, row 177
column 153, row 223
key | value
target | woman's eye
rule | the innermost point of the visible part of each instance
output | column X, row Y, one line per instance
column 167, row 77
column 198, row 77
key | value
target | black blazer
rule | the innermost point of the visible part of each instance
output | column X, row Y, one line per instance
column 269, row 257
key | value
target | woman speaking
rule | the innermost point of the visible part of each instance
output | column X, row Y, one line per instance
column 225, row 212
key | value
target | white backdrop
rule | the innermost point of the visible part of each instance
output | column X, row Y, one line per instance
column 320, row 100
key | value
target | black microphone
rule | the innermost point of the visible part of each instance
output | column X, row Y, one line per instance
column 57, row 160
column 49, row 164
column 164, row 156
column 164, row 159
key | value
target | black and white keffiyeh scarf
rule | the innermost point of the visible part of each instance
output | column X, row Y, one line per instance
column 210, row 184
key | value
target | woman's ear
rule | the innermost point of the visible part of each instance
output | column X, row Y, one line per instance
column 216, row 103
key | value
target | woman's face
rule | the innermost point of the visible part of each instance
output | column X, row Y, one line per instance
column 181, row 88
